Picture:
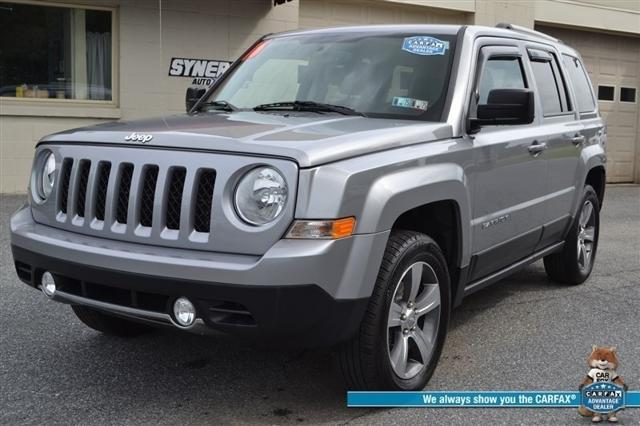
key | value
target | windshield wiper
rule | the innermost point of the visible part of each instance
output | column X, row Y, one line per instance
column 220, row 105
column 308, row 106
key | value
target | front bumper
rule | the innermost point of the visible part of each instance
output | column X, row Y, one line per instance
column 313, row 292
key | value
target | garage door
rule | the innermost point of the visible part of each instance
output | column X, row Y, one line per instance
column 613, row 63
column 331, row 13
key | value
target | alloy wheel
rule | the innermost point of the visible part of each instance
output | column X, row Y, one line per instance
column 586, row 235
column 413, row 320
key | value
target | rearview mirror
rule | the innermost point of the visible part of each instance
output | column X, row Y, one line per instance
column 505, row 106
column 194, row 93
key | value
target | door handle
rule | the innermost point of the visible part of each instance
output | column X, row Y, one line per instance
column 536, row 148
column 578, row 140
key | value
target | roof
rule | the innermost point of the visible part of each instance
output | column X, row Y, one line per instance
column 502, row 30
column 379, row 29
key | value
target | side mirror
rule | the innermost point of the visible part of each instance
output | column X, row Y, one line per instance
column 505, row 106
column 194, row 93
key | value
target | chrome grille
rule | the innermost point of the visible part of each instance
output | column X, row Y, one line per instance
column 138, row 186
column 159, row 197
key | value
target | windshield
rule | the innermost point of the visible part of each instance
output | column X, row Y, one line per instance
column 391, row 76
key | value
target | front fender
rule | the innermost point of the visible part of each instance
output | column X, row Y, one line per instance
column 393, row 194
column 378, row 190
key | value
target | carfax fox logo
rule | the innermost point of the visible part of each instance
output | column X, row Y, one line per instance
column 602, row 389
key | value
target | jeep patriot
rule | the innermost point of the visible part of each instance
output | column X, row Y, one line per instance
column 344, row 187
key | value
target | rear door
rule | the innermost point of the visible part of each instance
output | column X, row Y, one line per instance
column 561, row 131
column 509, row 176
column 585, row 104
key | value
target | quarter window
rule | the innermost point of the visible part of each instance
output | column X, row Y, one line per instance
column 581, row 84
column 55, row 52
column 500, row 73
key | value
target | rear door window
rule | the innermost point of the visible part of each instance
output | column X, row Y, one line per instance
column 581, row 84
column 549, row 82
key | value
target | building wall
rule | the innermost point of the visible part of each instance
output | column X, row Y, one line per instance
column 147, row 37
column 492, row 12
column 331, row 13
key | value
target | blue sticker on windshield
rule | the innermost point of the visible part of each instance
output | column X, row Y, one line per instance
column 425, row 45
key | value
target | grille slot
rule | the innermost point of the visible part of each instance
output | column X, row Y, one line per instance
column 229, row 313
column 103, row 293
column 23, row 270
column 204, row 198
column 147, row 195
column 165, row 201
column 104, row 169
column 126, row 174
column 65, row 174
column 174, row 197
column 83, row 178
column 117, row 296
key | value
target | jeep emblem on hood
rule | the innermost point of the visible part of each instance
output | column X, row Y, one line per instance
column 138, row 137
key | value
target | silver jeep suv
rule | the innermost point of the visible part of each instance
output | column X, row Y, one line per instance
column 344, row 186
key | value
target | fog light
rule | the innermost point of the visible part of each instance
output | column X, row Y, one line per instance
column 184, row 312
column 48, row 284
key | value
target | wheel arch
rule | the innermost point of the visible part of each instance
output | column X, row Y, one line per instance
column 441, row 221
column 596, row 178
column 439, row 208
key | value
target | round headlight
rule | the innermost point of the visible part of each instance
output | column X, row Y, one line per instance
column 261, row 196
column 46, row 176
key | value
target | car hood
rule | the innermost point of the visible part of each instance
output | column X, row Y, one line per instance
column 309, row 139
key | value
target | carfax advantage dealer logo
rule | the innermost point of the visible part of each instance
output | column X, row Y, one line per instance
column 603, row 397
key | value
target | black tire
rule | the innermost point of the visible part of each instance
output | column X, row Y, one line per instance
column 107, row 324
column 565, row 266
column 364, row 361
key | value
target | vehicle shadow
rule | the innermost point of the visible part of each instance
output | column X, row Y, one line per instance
column 168, row 375
column 532, row 280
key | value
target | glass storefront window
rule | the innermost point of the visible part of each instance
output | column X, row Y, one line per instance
column 53, row 52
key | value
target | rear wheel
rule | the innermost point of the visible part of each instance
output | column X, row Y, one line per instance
column 108, row 324
column 574, row 263
column 403, row 331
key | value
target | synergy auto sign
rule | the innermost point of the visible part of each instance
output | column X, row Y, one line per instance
column 203, row 71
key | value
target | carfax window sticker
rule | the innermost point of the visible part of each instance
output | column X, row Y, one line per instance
column 425, row 45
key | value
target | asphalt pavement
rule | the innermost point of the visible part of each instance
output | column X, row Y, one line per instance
column 524, row 333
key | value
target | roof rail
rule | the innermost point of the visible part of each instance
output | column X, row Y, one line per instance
column 526, row 30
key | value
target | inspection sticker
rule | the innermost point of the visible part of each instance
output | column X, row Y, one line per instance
column 425, row 45
column 402, row 102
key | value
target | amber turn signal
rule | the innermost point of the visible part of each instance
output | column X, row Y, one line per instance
column 322, row 229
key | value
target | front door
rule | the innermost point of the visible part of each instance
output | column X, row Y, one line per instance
column 510, row 171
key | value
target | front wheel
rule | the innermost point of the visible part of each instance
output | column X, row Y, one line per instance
column 402, row 334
